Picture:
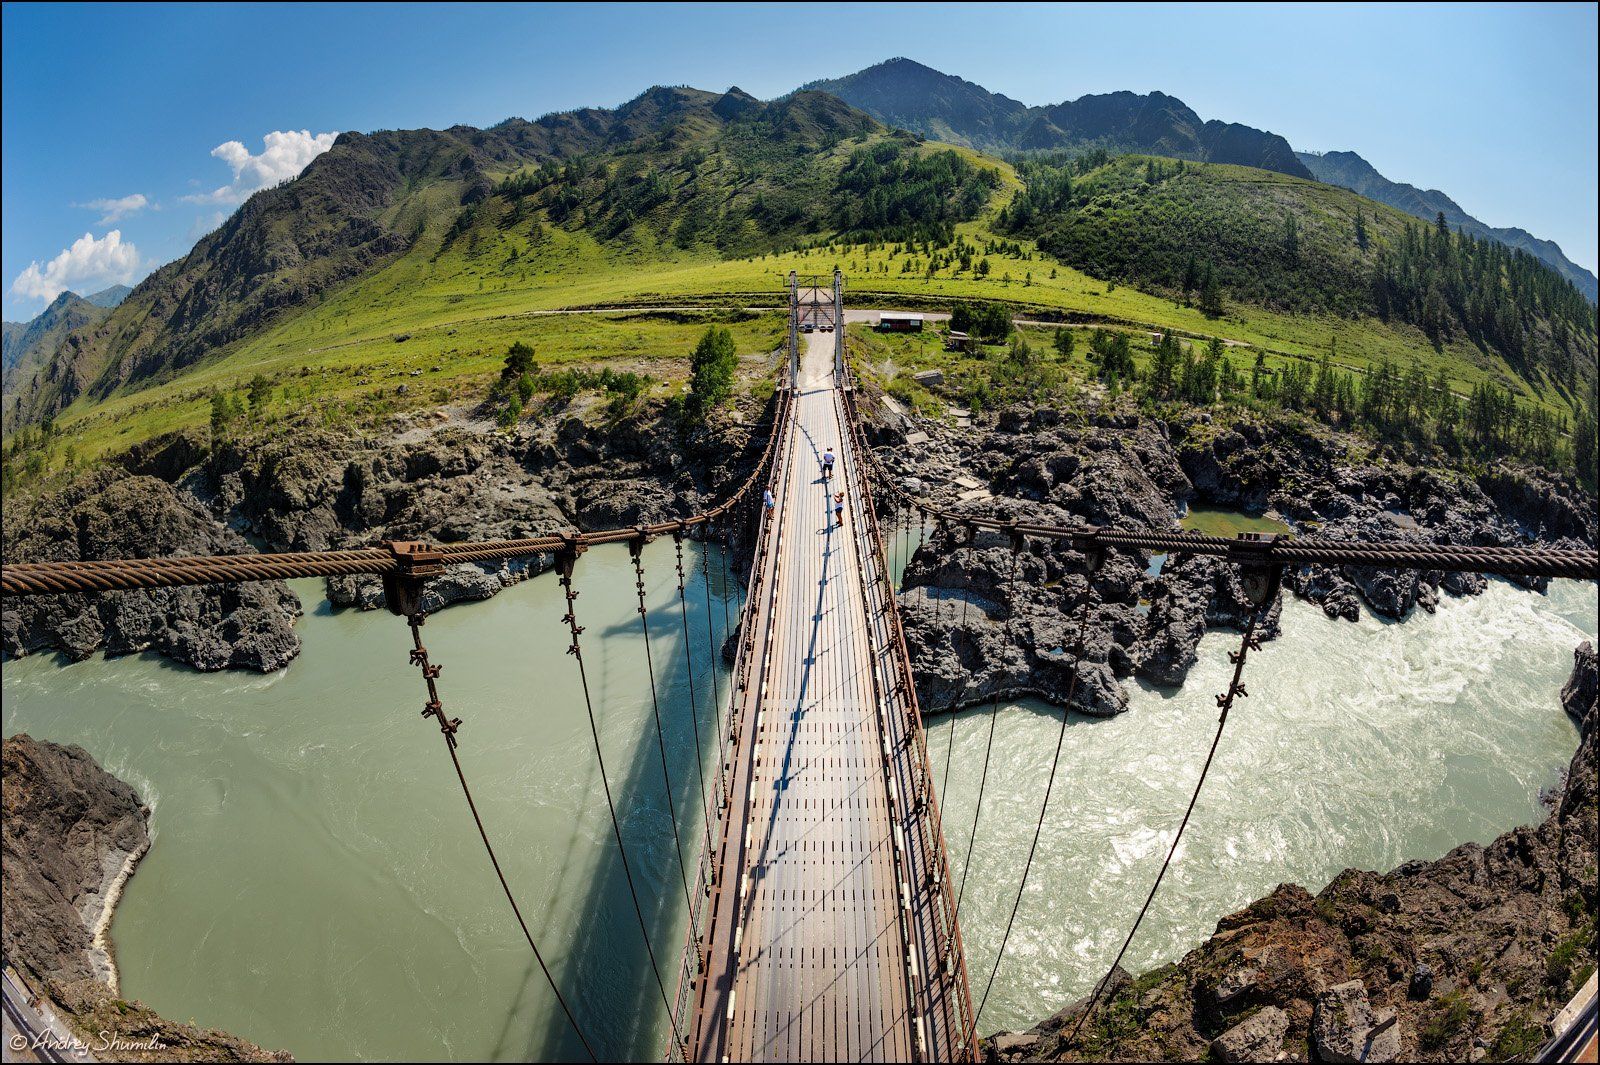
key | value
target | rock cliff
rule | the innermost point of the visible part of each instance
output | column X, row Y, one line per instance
column 71, row 836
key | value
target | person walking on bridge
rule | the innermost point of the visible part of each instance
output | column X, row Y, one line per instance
column 768, row 501
column 827, row 464
column 838, row 508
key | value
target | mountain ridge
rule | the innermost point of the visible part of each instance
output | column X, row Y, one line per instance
column 356, row 206
column 26, row 347
column 1349, row 170
column 902, row 92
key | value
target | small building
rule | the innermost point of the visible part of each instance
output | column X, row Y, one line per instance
column 897, row 322
column 956, row 340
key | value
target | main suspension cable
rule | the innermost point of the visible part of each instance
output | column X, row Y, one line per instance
column 448, row 726
column 1092, row 563
column 566, row 560
column 1266, row 584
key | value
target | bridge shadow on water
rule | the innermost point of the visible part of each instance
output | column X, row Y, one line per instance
column 606, row 975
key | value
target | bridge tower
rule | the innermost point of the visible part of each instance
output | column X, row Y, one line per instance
column 794, row 327
column 838, row 327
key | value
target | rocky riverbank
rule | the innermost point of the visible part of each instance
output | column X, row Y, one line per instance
column 982, row 621
column 72, row 834
column 436, row 477
column 1460, row 959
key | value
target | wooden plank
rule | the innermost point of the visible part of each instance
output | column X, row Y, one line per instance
column 822, row 971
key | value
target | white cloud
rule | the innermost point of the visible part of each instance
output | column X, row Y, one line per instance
column 283, row 155
column 88, row 265
column 122, row 207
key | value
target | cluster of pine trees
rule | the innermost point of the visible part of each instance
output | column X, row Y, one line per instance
column 1388, row 402
column 1501, row 298
column 889, row 190
column 1206, row 234
column 521, row 379
column 988, row 322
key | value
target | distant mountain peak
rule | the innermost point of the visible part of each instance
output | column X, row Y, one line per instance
column 903, row 92
column 109, row 297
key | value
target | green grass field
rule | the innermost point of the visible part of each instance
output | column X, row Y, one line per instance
column 437, row 321
column 444, row 364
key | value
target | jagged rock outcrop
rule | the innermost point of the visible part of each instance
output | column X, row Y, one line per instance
column 71, row 836
column 972, row 636
column 1314, row 479
column 110, row 515
column 1459, row 959
column 71, row 832
column 317, row 490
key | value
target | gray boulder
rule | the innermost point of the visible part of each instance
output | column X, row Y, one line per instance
column 1344, row 1027
column 1258, row 1038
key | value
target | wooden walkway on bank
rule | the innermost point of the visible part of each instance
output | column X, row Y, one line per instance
column 823, row 942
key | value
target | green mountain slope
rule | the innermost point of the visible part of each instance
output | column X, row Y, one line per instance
column 27, row 346
column 904, row 93
column 357, row 206
column 426, row 253
column 1349, row 170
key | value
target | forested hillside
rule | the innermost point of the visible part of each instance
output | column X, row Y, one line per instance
column 1349, row 170
column 795, row 171
column 1217, row 235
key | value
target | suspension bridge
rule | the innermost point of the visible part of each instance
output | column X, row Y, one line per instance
column 823, row 908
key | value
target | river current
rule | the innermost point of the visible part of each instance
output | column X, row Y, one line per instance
column 316, row 883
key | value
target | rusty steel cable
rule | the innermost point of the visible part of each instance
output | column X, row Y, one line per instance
column 566, row 560
column 994, row 711
column 951, row 954
column 1510, row 561
column 448, row 726
column 712, row 667
column 101, row 575
column 636, row 550
column 1092, row 564
column 1268, row 582
column 128, row 574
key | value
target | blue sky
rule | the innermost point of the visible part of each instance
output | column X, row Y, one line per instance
column 150, row 122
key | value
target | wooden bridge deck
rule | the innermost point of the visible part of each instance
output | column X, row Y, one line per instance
column 819, row 934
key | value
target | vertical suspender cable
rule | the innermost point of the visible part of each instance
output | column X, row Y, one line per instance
column 994, row 711
column 566, row 560
column 694, row 703
column 448, row 726
column 1092, row 561
column 962, row 628
column 712, row 654
column 1265, row 592
column 636, row 550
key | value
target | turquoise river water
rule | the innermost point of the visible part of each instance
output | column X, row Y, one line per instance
column 316, row 883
